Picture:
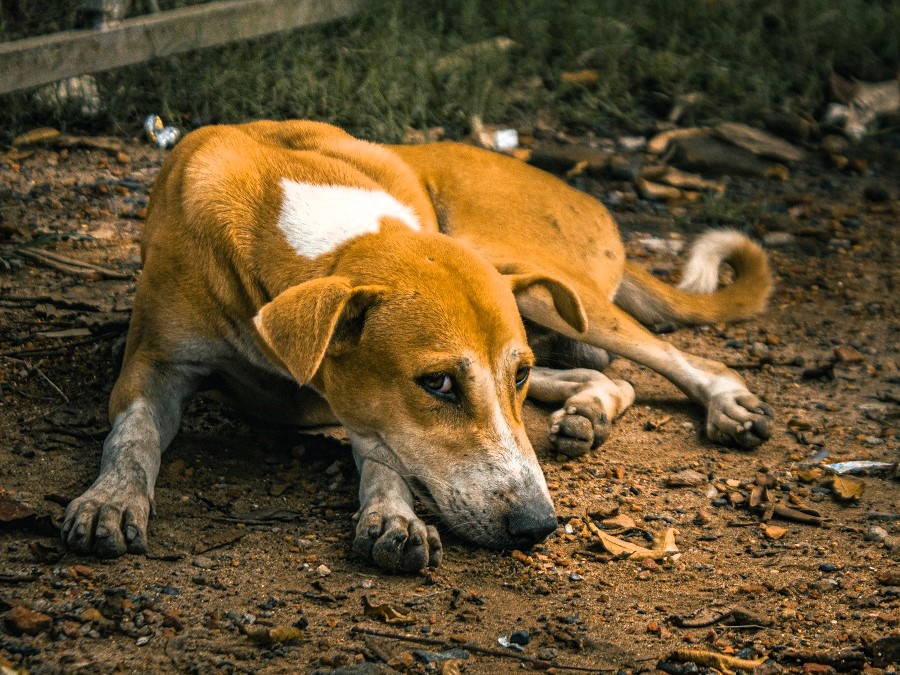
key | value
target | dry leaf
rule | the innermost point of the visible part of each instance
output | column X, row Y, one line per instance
column 663, row 546
column 387, row 613
column 847, row 489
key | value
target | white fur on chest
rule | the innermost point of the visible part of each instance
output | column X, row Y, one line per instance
column 316, row 219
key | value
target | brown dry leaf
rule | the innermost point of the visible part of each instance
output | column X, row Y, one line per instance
column 847, row 489
column 663, row 546
column 275, row 635
column 12, row 510
column 387, row 613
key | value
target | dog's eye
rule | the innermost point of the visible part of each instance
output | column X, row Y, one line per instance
column 522, row 376
column 439, row 384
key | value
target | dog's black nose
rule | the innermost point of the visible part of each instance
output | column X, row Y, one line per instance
column 530, row 525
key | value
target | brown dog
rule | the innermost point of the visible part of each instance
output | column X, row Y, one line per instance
column 320, row 278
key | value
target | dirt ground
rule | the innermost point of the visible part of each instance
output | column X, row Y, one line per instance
column 253, row 526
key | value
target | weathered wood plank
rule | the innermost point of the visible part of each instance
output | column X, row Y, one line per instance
column 48, row 58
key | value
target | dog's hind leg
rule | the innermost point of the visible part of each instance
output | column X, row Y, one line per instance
column 591, row 401
column 111, row 517
column 734, row 416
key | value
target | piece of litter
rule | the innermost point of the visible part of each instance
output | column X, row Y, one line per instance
column 164, row 136
column 506, row 139
column 503, row 641
column 859, row 466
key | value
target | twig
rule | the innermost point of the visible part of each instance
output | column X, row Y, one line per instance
column 480, row 650
column 69, row 265
column 18, row 578
column 57, row 351
column 39, row 372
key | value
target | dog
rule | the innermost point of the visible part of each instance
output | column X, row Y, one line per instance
column 414, row 295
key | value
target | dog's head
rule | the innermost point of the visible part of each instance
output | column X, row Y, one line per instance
column 417, row 344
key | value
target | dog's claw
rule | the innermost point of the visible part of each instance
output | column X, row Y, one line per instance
column 397, row 543
column 109, row 519
column 738, row 418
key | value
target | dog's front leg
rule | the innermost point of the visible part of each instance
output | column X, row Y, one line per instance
column 110, row 518
column 388, row 531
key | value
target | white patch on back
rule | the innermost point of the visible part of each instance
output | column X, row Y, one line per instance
column 317, row 219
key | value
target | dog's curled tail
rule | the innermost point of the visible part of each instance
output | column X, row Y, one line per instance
column 697, row 299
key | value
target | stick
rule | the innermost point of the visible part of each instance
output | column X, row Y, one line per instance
column 480, row 650
column 39, row 372
column 69, row 265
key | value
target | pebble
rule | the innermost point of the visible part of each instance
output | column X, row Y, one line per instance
column 520, row 637
column 141, row 641
column 847, row 354
column 774, row 532
column 323, row 570
column 828, row 567
column 778, row 239
column 759, row 349
column 548, row 653
column 21, row 620
column 876, row 533
column 703, row 517
column 574, row 576
column 204, row 563
column 686, row 478
column 876, row 193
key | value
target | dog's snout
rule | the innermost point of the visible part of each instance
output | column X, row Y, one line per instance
column 530, row 525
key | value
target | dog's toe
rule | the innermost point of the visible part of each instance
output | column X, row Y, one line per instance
column 578, row 428
column 739, row 419
column 108, row 520
column 396, row 543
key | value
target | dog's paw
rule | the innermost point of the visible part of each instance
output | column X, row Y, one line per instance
column 578, row 427
column 738, row 418
column 397, row 543
column 109, row 519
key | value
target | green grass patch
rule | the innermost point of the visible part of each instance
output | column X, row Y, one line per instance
column 375, row 74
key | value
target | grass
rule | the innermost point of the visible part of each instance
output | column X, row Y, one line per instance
column 376, row 76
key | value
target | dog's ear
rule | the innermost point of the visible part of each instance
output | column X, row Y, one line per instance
column 310, row 319
column 565, row 299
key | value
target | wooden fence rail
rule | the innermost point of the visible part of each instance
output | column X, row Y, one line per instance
column 40, row 60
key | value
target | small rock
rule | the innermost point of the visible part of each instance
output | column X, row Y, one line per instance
column 686, row 478
column 548, row 653
column 828, row 567
column 620, row 522
column 876, row 193
column 774, row 532
column 876, row 533
column 574, row 576
column 204, row 563
column 632, row 143
column 847, row 354
column 520, row 637
column 143, row 640
column 703, row 517
column 21, row 620
column 778, row 239
column 759, row 350
column 889, row 578
column 323, row 570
